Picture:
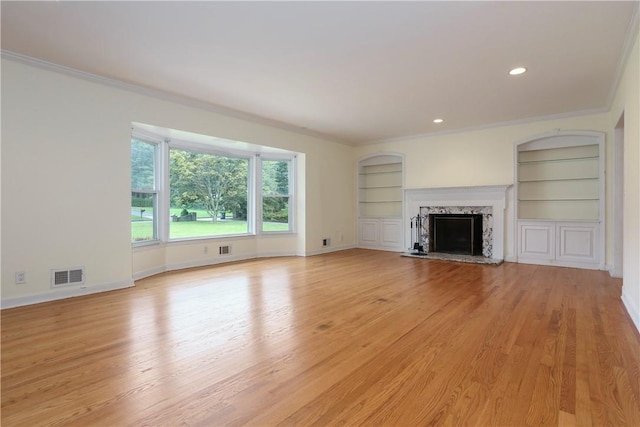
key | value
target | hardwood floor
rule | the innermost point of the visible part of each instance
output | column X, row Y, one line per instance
column 355, row 337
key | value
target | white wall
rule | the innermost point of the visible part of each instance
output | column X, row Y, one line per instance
column 481, row 157
column 66, row 178
column 627, row 101
column 62, row 174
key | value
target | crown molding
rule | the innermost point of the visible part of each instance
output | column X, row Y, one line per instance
column 236, row 114
column 492, row 125
column 163, row 95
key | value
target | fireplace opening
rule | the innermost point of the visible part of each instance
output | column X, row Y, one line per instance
column 455, row 233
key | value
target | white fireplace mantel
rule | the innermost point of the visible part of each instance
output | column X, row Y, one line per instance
column 485, row 195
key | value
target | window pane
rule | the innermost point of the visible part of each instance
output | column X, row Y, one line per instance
column 208, row 194
column 275, row 213
column 275, row 195
column 142, row 165
column 143, row 195
column 275, row 177
column 143, row 216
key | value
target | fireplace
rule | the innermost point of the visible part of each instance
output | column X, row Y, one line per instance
column 482, row 228
column 486, row 201
column 456, row 234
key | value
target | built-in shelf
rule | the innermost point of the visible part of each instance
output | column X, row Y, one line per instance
column 563, row 179
column 380, row 173
column 380, row 187
column 552, row 200
column 551, row 180
column 559, row 199
column 380, row 201
column 527, row 162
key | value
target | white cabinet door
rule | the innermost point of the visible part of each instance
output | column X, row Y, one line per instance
column 577, row 242
column 391, row 234
column 380, row 233
column 536, row 240
column 368, row 232
column 563, row 243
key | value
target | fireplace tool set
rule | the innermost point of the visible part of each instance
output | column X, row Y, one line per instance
column 416, row 234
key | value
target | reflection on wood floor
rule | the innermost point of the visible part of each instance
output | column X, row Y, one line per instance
column 355, row 337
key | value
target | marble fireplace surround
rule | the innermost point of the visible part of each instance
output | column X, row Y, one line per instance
column 488, row 200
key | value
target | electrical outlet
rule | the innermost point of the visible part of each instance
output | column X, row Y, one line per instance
column 326, row 241
column 21, row 277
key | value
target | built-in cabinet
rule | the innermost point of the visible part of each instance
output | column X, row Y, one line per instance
column 380, row 202
column 560, row 199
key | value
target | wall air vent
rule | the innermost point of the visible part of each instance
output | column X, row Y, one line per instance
column 71, row 276
column 225, row 250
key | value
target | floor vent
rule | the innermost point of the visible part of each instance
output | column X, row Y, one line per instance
column 225, row 250
column 72, row 276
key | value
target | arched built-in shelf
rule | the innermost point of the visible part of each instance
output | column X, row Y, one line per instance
column 380, row 201
column 560, row 199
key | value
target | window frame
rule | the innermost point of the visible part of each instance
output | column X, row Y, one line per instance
column 291, row 159
column 177, row 144
column 157, row 187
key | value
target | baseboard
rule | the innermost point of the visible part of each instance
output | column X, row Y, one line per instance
column 613, row 272
column 328, row 249
column 632, row 309
column 206, row 262
column 383, row 249
column 148, row 273
column 63, row 293
column 511, row 259
column 210, row 261
column 556, row 263
column 276, row 254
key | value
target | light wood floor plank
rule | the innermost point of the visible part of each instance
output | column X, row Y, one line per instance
column 355, row 337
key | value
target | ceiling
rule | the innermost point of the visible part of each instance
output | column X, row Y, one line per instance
column 354, row 72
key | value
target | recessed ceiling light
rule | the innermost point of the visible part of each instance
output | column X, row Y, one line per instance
column 438, row 120
column 517, row 71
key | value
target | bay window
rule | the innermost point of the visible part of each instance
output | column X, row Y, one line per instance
column 187, row 186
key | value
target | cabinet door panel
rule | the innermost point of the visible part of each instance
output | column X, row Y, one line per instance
column 537, row 241
column 369, row 232
column 391, row 234
column 577, row 242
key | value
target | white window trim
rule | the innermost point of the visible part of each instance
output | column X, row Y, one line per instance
column 292, row 159
column 204, row 149
column 158, row 210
